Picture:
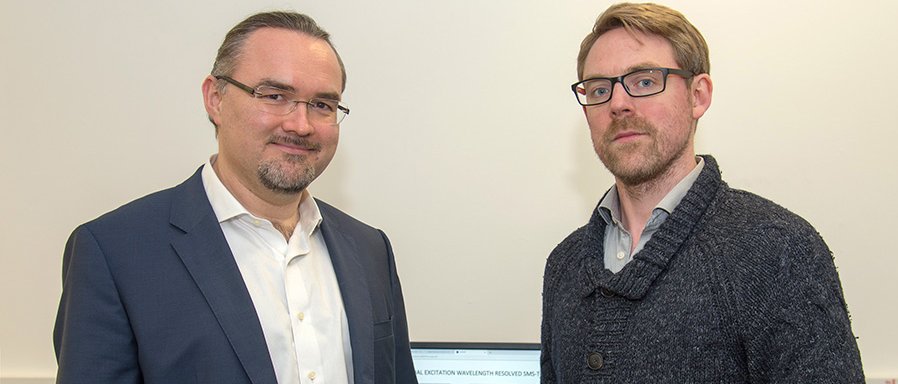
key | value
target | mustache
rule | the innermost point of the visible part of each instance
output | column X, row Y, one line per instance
column 628, row 124
column 296, row 141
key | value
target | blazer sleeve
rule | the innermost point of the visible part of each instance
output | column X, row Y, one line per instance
column 92, row 337
column 405, row 369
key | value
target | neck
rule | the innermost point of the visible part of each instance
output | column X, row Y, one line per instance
column 281, row 209
column 637, row 201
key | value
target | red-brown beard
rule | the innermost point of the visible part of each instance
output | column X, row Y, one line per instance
column 651, row 162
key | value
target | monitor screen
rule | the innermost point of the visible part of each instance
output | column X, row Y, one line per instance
column 476, row 363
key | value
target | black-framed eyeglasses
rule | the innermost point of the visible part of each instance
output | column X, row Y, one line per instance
column 639, row 83
column 281, row 102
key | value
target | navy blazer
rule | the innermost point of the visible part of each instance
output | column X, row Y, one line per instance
column 152, row 294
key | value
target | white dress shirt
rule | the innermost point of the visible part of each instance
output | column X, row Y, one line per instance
column 292, row 285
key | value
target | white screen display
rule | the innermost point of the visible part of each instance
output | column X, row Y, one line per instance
column 481, row 363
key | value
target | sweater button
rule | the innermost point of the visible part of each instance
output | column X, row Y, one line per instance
column 606, row 292
column 595, row 361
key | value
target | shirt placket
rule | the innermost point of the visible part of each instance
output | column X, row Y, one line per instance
column 299, row 302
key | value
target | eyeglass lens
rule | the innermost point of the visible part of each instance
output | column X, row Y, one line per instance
column 641, row 83
column 280, row 102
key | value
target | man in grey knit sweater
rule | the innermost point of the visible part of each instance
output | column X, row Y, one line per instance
column 678, row 278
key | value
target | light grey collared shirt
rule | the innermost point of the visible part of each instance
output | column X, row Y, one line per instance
column 618, row 240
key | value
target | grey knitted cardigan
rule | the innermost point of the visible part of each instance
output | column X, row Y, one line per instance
column 731, row 289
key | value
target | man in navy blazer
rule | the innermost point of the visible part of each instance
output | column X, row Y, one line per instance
column 238, row 275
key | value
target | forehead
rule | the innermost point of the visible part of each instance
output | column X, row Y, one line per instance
column 291, row 58
column 618, row 51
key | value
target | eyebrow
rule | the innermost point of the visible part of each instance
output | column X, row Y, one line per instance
column 276, row 84
column 328, row 96
column 630, row 69
column 268, row 82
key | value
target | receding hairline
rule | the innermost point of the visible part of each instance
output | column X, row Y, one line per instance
column 232, row 47
column 249, row 39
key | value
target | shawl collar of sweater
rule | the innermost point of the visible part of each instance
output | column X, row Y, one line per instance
column 635, row 279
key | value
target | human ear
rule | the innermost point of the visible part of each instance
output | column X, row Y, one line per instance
column 212, row 99
column 701, row 91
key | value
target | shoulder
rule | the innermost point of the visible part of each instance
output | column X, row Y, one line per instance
column 759, row 245
column 736, row 212
column 141, row 212
column 763, row 249
column 564, row 260
column 343, row 219
column 748, row 233
column 152, row 212
column 745, row 215
column 745, row 222
column 336, row 220
column 569, row 246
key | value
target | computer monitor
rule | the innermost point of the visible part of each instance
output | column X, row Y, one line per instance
column 476, row 363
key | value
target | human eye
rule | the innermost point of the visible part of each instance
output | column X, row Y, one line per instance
column 643, row 82
column 323, row 106
column 597, row 90
column 272, row 95
column 646, row 83
column 648, row 79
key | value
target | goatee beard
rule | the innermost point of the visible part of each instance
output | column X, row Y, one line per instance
column 277, row 176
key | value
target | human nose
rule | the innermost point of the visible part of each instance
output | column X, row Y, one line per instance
column 298, row 120
column 621, row 103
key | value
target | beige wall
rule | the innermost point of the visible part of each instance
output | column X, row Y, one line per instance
column 465, row 143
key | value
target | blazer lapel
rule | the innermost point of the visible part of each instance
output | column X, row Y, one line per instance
column 205, row 253
column 354, row 291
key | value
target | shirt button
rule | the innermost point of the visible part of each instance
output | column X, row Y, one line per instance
column 301, row 316
column 312, row 375
column 595, row 361
column 621, row 255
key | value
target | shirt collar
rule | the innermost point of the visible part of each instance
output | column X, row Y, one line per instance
column 226, row 206
column 309, row 214
column 673, row 198
column 609, row 207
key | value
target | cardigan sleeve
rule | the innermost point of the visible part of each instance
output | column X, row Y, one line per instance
column 547, row 370
column 795, row 321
